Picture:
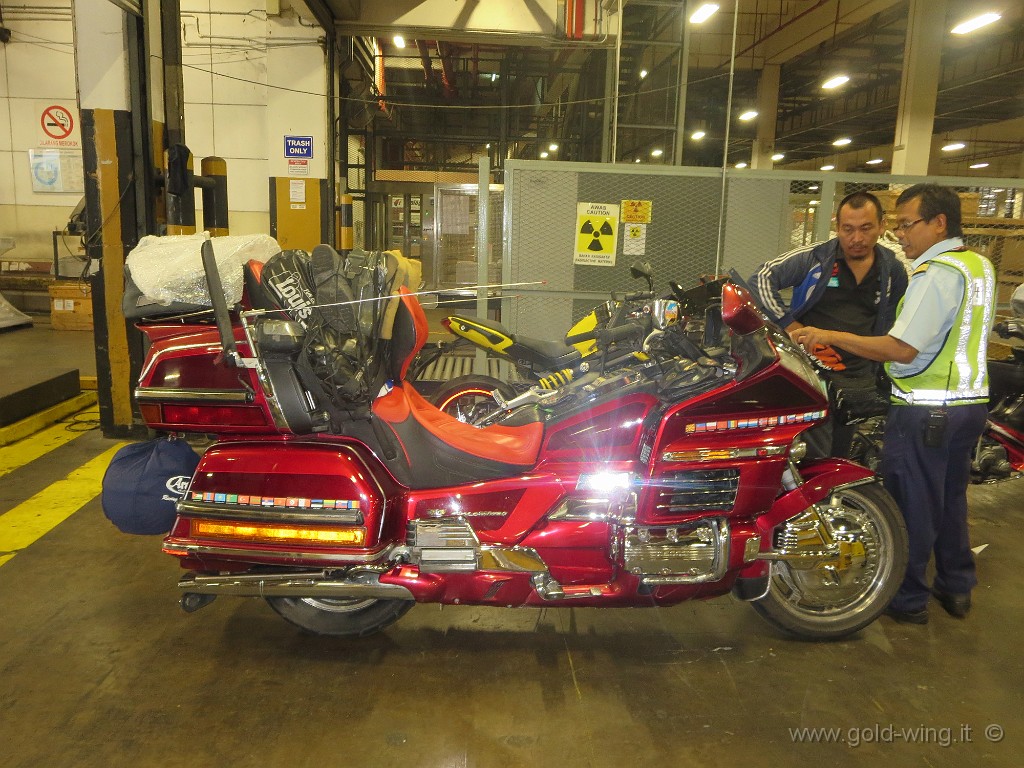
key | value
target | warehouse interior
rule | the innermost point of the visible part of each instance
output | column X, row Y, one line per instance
column 465, row 134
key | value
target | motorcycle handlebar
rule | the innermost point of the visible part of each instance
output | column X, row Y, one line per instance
column 611, row 335
column 635, row 296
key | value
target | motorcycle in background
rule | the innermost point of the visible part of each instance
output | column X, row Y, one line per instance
column 668, row 479
column 553, row 364
column 537, row 362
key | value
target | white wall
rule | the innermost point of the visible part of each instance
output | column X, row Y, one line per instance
column 249, row 80
column 37, row 70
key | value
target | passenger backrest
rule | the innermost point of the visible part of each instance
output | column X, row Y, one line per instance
column 409, row 334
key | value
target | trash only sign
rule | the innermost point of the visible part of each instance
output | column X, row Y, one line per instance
column 596, row 234
column 298, row 146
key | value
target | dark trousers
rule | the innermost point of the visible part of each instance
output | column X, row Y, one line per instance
column 930, row 486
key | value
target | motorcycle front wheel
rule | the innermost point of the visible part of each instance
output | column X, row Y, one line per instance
column 353, row 617
column 823, row 601
column 468, row 398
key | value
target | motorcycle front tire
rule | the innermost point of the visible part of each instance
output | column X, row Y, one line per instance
column 816, row 603
column 342, row 617
column 468, row 398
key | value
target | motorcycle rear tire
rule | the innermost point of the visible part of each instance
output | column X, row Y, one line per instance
column 817, row 604
column 356, row 617
column 468, row 398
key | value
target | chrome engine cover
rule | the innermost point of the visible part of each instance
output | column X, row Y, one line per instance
column 687, row 553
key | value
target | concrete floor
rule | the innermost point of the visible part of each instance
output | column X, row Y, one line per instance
column 99, row 667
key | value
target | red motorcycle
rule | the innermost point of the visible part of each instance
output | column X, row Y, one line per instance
column 674, row 479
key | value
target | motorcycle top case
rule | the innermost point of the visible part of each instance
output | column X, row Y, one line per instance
column 144, row 482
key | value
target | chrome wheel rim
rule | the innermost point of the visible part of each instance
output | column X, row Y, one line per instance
column 827, row 592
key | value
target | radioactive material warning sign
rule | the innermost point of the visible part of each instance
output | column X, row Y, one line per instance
column 634, row 239
column 596, row 234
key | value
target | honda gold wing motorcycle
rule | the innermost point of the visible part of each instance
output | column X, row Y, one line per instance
column 671, row 480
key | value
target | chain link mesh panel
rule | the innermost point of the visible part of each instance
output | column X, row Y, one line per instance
column 766, row 214
column 548, row 236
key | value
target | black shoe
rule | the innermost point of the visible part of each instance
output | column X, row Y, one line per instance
column 907, row 617
column 956, row 605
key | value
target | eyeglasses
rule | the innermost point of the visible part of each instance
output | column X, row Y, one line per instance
column 905, row 225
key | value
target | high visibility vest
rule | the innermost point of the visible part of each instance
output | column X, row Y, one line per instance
column 958, row 375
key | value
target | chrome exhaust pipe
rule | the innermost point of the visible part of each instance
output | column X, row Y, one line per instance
column 311, row 584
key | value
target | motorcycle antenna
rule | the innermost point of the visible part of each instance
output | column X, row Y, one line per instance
column 390, row 296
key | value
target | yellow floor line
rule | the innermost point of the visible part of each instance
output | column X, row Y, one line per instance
column 31, row 519
column 30, row 448
column 37, row 421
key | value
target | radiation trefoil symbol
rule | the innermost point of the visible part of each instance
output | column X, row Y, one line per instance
column 596, row 233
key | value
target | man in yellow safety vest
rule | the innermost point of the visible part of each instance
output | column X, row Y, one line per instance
column 935, row 355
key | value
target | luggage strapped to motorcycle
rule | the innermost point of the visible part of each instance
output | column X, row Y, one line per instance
column 347, row 306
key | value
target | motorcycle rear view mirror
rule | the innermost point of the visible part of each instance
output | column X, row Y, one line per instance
column 739, row 310
column 643, row 269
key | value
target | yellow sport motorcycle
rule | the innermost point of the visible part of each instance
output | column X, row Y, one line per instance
column 622, row 323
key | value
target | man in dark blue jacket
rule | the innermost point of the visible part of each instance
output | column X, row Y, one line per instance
column 849, row 283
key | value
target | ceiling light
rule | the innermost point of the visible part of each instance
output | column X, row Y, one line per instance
column 750, row 114
column 979, row 165
column 976, row 23
column 657, row 152
column 703, row 13
column 875, row 161
column 636, row 160
column 828, row 167
column 643, row 73
column 777, row 156
column 842, row 142
column 399, row 41
column 697, row 135
column 835, row 82
column 488, row 145
column 956, row 145
column 815, row 202
column 813, row 188
column 741, row 165
column 494, row 77
column 553, row 147
column 543, row 155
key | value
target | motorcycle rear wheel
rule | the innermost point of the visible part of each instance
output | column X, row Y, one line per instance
column 468, row 398
column 824, row 604
column 355, row 617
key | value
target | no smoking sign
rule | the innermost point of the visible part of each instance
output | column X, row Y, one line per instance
column 59, row 126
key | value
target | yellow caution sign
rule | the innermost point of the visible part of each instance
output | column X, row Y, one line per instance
column 637, row 211
column 596, row 234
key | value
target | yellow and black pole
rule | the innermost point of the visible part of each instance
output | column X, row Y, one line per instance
column 345, row 232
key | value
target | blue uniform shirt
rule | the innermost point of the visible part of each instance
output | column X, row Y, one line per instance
column 929, row 309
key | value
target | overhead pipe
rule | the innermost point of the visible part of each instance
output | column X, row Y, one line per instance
column 447, row 74
column 428, row 67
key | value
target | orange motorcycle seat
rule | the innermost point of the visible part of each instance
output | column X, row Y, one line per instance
column 503, row 445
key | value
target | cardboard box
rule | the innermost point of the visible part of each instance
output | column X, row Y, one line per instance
column 71, row 306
